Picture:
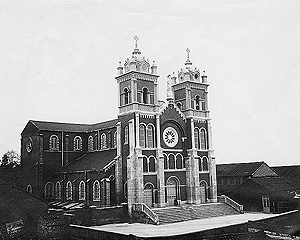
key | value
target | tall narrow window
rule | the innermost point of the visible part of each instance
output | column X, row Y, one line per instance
column 29, row 188
column 200, row 162
column 171, row 161
column 151, row 164
column 145, row 164
column 103, row 141
column 91, row 143
column 179, row 161
column 203, row 106
column 196, row 136
column 115, row 140
column 126, row 135
column 69, row 191
column 126, row 96
column 96, row 191
column 81, row 190
column 150, row 136
column 49, row 189
column 197, row 103
column 142, row 136
column 145, row 95
column 54, row 142
column 166, row 166
column 203, row 139
column 57, row 190
column 77, row 143
column 205, row 163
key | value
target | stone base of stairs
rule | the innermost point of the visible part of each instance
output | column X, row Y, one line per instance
column 187, row 212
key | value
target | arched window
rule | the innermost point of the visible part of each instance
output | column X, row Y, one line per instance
column 54, row 142
column 151, row 164
column 115, row 140
column 197, row 103
column 81, row 190
column 145, row 164
column 205, row 163
column 126, row 96
column 142, row 136
column 69, row 191
column 166, row 166
column 196, row 136
column 145, row 95
column 91, row 143
column 126, row 135
column 103, row 141
column 49, row 190
column 179, row 105
column 179, row 161
column 77, row 143
column 57, row 190
column 96, row 191
column 29, row 188
column 171, row 161
column 200, row 162
column 203, row 139
column 150, row 136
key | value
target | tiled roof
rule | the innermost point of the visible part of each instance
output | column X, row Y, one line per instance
column 57, row 126
column 288, row 171
column 274, row 184
column 90, row 161
column 103, row 125
column 73, row 127
column 237, row 169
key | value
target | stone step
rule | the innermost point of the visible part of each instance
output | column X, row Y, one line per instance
column 190, row 212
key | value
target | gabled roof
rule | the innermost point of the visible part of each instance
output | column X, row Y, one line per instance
column 274, row 184
column 238, row 169
column 103, row 125
column 90, row 162
column 288, row 171
column 72, row 127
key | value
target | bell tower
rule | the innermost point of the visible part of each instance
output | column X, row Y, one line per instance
column 138, row 87
column 190, row 90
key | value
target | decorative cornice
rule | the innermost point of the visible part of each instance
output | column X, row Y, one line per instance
column 190, row 84
column 138, row 75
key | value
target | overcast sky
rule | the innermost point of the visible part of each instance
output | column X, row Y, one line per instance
column 58, row 61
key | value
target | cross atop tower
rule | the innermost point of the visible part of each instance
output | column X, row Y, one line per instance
column 136, row 40
column 136, row 49
column 188, row 61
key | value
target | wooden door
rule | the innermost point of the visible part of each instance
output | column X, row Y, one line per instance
column 266, row 203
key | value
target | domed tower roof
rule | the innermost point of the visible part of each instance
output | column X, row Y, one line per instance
column 137, row 62
column 189, row 72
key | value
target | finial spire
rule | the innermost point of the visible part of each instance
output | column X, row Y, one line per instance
column 188, row 61
column 136, row 38
column 136, row 49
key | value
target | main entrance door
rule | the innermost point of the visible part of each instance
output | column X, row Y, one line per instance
column 202, row 189
column 172, row 190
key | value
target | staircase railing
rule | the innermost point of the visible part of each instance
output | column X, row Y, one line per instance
column 231, row 203
column 147, row 210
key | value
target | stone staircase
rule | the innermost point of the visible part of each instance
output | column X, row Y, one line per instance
column 187, row 212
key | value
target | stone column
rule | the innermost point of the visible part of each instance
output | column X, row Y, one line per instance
column 118, row 167
column 160, row 168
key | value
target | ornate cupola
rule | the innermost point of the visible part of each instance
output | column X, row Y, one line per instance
column 190, row 90
column 137, row 79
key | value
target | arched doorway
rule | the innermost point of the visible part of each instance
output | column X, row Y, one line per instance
column 172, row 188
column 149, row 194
column 203, row 192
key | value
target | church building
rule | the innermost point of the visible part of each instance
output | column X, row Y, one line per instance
column 154, row 152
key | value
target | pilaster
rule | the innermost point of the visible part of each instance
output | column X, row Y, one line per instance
column 160, row 168
column 118, row 167
column 212, row 166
